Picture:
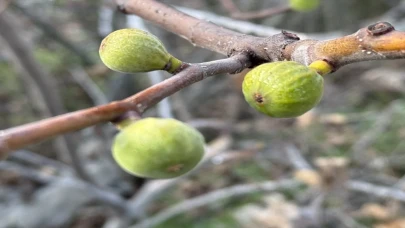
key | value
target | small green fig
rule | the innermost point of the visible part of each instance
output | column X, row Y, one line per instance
column 158, row 148
column 283, row 89
column 304, row 5
column 134, row 50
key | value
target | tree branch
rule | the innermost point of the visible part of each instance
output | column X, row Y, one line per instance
column 18, row 137
column 375, row 42
column 208, row 35
column 378, row 41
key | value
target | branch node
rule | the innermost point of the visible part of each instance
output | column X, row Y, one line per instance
column 290, row 35
column 380, row 28
column 130, row 115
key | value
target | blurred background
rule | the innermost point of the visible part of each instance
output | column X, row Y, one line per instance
column 340, row 165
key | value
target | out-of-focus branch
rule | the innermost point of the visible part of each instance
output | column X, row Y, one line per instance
column 380, row 191
column 39, row 160
column 49, row 30
column 234, row 11
column 104, row 196
column 248, row 27
column 383, row 121
column 46, row 85
column 215, row 196
column 93, row 91
column 260, row 13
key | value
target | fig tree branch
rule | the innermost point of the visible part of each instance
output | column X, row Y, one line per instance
column 18, row 137
column 378, row 41
column 375, row 42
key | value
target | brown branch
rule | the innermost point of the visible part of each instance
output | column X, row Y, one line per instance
column 375, row 42
column 378, row 41
column 18, row 137
column 208, row 35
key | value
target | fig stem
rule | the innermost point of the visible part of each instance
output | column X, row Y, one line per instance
column 322, row 67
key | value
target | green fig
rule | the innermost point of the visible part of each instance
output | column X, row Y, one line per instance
column 158, row 148
column 283, row 89
column 304, row 5
column 135, row 50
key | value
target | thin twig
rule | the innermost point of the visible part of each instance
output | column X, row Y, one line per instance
column 164, row 107
column 383, row 121
column 105, row 18
column 251, row 28
column 49, row 30
column 88, row 85
column 380, row 191
column 106, row 197
column 44, row 82
column 39, row 160
column 296, row 158
column 216, row 196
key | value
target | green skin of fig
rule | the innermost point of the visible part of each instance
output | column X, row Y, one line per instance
column 282, row 89
column 134, row 50
column 158, row 148
column 304, row 5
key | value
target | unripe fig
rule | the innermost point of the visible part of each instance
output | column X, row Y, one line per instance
column 282, row 89
column 304, row 5
column 135, row 50
column 158, row 148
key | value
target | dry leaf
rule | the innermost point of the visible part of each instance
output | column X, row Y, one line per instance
column 309, row 177
column 305, row 120
column 335, row 119
column 399, row 223
column 375, row 211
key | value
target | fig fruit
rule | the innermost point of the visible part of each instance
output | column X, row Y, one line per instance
column 282, row 89
column 304, row 5
column 158, row 148
column 134, row 50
